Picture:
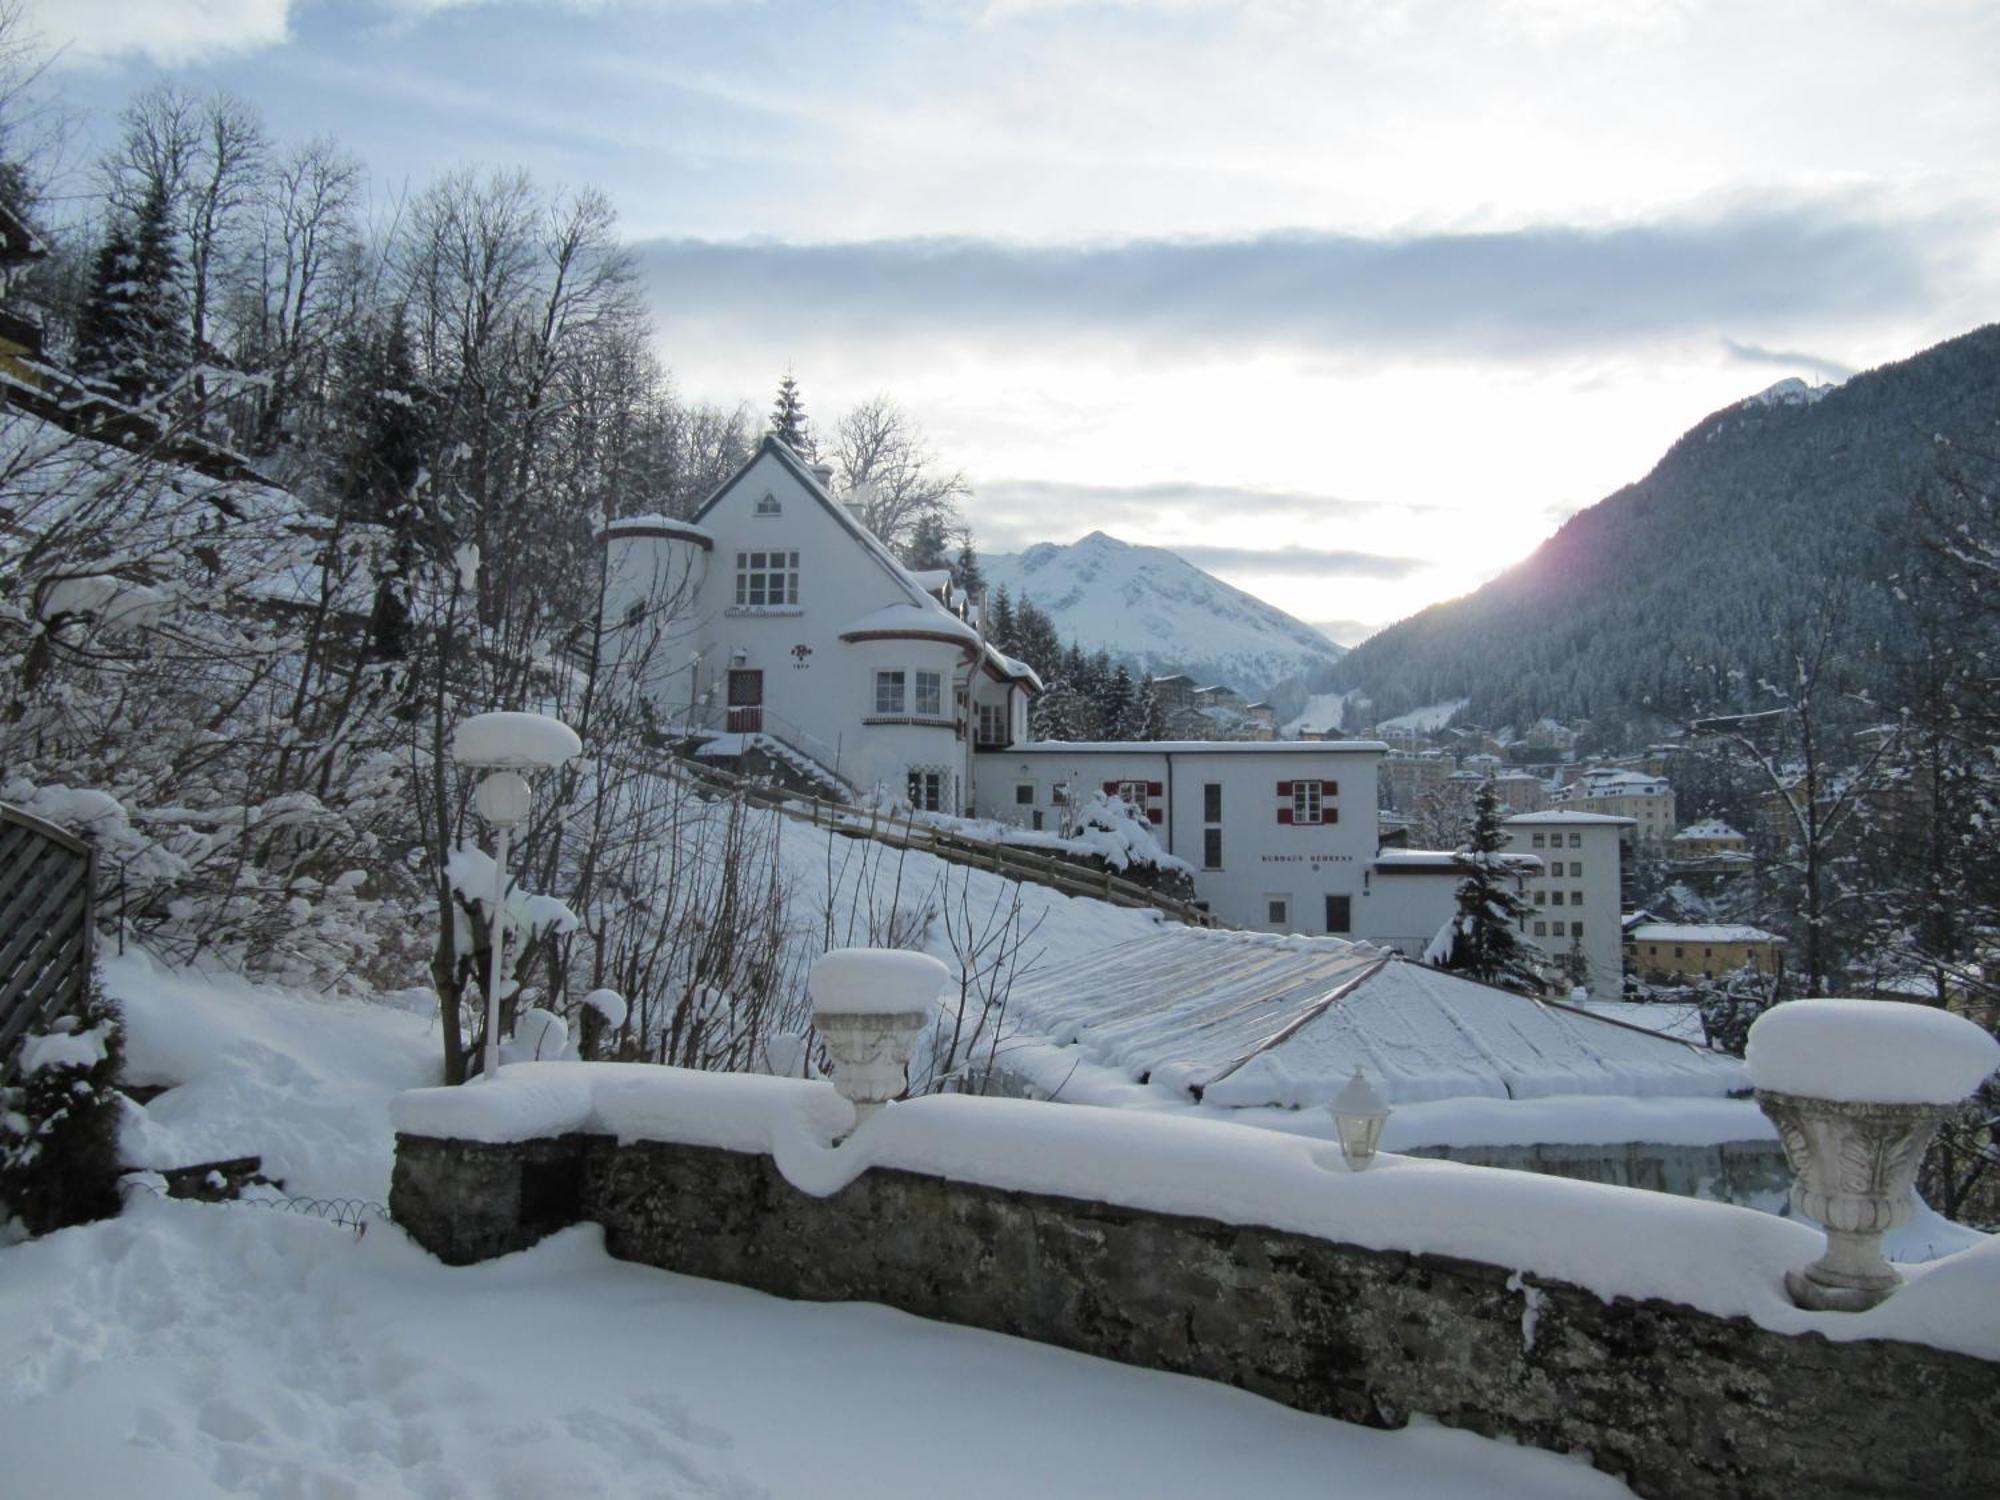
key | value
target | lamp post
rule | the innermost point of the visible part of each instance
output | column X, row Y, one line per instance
column 1359, row 1112
column 506, row 747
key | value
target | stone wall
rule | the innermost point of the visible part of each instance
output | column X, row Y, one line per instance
column 1675, row 1401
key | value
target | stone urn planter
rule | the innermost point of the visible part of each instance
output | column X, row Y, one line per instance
column 870, row 1005
column 1857, row 1089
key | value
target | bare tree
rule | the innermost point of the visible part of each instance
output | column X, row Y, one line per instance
column 881, row 460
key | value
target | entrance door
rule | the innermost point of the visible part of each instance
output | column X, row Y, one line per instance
column 746, row 700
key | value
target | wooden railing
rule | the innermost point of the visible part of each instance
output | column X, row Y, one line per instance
column 903, row 831
column 48, row 882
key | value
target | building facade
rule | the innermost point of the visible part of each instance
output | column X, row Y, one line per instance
column 1669, row 952
column 1574, row 900
column 1280, row 834
column 776, row 616
column 1617, row 792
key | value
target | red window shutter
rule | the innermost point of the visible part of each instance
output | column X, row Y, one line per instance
column 1285, row 814
column 1330, row 788
column 1156, row 789
column 1284, row 789
column 1331, row 813
column 1154, row 815
column 1110, row 788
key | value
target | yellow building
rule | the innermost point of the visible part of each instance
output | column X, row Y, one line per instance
column 1668, row 951
column 1707, row 839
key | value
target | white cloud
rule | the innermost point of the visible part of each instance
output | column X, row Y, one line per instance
column 168, row 32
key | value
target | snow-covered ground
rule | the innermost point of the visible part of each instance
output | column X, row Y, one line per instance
column 195, row 1351
column 189, row 1350
column 1428, row 719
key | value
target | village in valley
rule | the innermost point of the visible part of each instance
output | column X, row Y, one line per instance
column 574, row 922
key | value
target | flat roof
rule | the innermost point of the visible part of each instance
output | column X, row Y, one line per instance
column 1557, row 815
column 1207, row 747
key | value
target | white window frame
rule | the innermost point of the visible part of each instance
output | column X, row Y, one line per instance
column 769, row 506
column 927, row 695
column 767, row 579
column 891, row 691
column 1308, row 802
column 1134, row 794
column 991, row 726
column 926, row 788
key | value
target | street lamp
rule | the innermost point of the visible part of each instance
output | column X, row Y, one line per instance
column 1359, row 1112
column 507, row 747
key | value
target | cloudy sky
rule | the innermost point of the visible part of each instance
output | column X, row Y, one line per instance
column 1349, row 303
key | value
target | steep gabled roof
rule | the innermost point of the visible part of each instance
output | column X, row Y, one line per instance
column 865, row 539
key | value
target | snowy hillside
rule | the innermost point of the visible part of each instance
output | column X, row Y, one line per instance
column 1161, row 613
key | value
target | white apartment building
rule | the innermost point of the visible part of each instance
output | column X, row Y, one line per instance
column 1574, row 900
column 1280, row 834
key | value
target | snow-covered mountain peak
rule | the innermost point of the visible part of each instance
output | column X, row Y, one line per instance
column 1160, row 612
column 1790, row 391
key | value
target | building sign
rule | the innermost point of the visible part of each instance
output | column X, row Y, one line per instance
column 802, row 655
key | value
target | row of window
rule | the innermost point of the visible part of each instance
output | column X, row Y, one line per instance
column 1555, row 929
column 1554, row 841
column 893, row 697
column 1555, row 898
column 1575, row 868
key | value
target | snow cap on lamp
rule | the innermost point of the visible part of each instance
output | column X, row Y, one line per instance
column 1359, row 1111
column 514, row 742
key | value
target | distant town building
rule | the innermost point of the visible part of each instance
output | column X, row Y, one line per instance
column 1706, row 839
column 1617, row 792
column 1664, row 952
column 1521, row 792
column 1574, row 902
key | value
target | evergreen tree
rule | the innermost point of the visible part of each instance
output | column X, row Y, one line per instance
column 131, row 342
column 788, row 419
column 391, row 420
column 1000, row 621
column 1119, row 706
column 966, row 572
column 1485, row 939
column 926, row 551
column 1035, row 639
column 59, row 1127
column 1152, row 717
column 1057, row 714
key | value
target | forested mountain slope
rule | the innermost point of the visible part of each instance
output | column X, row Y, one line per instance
column 1627, row 612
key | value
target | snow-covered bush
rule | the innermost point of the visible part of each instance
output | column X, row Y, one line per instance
column 1110, row 831
column 59, row 1124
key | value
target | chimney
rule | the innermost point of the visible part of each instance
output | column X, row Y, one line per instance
column 823, row 472
column 859, row 511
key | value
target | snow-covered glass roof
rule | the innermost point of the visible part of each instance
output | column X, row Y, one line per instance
column 1254, row 1019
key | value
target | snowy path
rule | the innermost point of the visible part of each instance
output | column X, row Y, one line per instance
column 196, row 1351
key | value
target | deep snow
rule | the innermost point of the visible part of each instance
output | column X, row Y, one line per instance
column 189, row 1350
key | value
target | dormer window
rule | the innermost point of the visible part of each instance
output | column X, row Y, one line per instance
column 769, row 506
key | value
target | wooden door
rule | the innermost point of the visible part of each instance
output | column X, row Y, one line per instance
column 746, row 700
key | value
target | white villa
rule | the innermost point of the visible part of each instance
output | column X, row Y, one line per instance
column 794, row 625
column 774, row 620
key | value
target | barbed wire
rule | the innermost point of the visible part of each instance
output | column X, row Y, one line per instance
column 349, row 1213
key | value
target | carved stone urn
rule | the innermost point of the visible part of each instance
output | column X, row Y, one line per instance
column 1857, row 1090
column 1854, row 1167
column 870, row 1005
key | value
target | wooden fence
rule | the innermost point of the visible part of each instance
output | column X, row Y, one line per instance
column 48, row 882
column 902, row 831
